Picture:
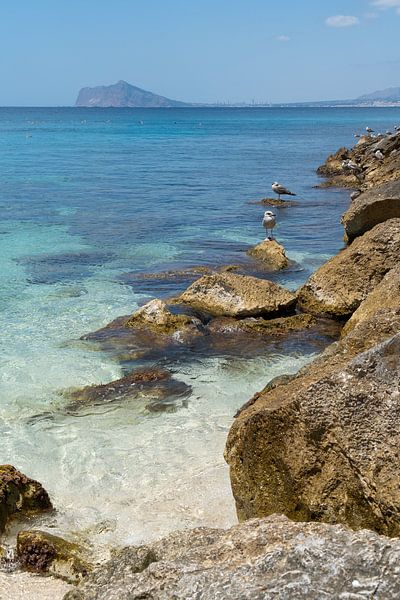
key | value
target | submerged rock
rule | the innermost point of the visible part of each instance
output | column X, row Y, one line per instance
column 238, row 296
column 271, row 253
column 278, row 326
column 338, row 287
column 20, row 495
column 41, row 552
column 151, row 384
column 372, row 207
column 324, row 445
column 257, row 560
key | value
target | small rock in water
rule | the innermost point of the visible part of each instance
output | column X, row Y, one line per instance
column 271, row 253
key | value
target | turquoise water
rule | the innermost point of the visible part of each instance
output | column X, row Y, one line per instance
column 92, row 199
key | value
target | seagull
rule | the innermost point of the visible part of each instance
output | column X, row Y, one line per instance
column 281, row 190
column 379, row 154
column 369, row 130
column 269, row 222
column 355, row 194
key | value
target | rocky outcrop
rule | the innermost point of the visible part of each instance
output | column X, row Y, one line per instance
column 338, row 287
column 271, row 254
column 372, row 171
column 154, row 385
column 324, row 446
column 20, row 495
column 257, row 560
column 227, row 294
column 278, row 326
column 41, row 552
column 372, row 207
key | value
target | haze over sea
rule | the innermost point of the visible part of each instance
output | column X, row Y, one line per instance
column 91, row 199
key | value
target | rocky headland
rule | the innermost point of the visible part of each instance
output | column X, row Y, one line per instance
column 313, row 457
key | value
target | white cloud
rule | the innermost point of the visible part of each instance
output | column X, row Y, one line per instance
column 342, row 21
column 387, row 4
column 371, row 15
column 282, row 38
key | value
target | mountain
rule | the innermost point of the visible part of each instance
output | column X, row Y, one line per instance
column 389, row 95
column 123, row 94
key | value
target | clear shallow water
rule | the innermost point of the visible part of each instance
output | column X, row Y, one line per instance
column 90, row 199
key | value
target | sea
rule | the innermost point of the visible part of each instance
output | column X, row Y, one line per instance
column 93, row 202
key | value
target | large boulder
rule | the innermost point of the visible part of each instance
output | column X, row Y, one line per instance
column 372, row 207
column 20, row 495
column 385, row 298
column 258, row 560
column 338, row 287
column 324, row 446
column 42, row 552
column 227, row 294
column 271, row 254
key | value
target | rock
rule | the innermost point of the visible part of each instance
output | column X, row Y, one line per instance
column 372, row 207
column 258, row 560
column 271, row 253
column 325, row 445
column 384, row 298
column 338, row 287
column 238, row 296
column 154, row 384
column 41, row 552
column 373, row 171
column 274, row 202
column 157, row 317
column 20, row 495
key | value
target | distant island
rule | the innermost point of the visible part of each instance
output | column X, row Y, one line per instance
column 123, row 94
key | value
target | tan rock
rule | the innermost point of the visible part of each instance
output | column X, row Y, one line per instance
column 271, row 253
column 324, row 445
column 372, row 207
column 157, row 317
column 338, row 287
column 384, row 298
column 42, row 552
column 238, row 296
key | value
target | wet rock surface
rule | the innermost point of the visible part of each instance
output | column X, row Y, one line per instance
column 232, row 295
column 41, row 552
column 338, row 287
column 155, row 316
column 372, row 207
column 20, row 495
column 153, row 385
column 271, row 253
column 257, row 560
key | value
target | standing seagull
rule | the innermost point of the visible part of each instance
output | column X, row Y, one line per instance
column 281, row 190
column 379, row 154
column 369, row 130
column 269, row 222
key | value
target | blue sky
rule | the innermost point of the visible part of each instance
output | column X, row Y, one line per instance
column 204, row 51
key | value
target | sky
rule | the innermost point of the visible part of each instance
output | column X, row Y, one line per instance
column 198, row 50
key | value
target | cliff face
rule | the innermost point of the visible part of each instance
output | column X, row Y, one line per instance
column 122, row 94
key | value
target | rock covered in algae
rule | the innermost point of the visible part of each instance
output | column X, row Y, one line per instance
column 271, row 253
column 338, row 287
column 20, row 494
column 262, row 559
column 228, row 294
column 42, row 552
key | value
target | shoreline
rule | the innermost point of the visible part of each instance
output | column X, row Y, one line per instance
column 255, row 402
